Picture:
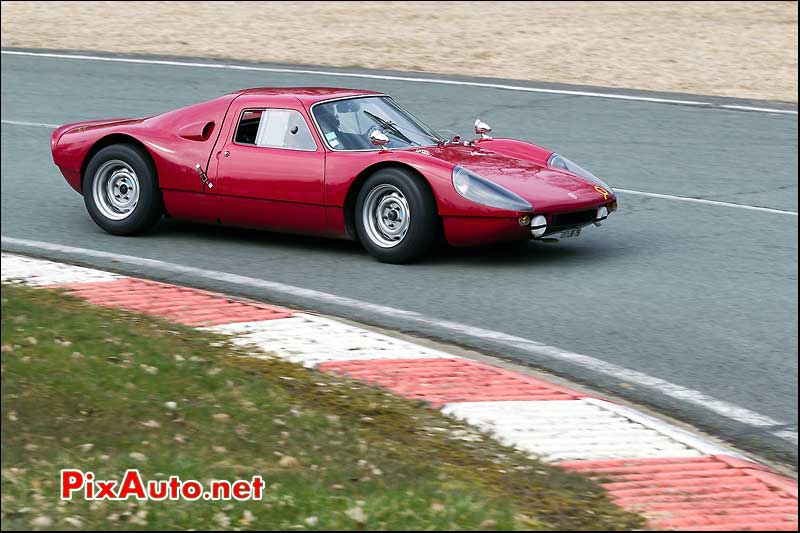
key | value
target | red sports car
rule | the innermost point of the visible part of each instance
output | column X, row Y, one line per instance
column 335, row 162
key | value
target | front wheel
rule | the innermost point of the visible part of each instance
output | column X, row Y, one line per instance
column 120, row 190
column 395, row 217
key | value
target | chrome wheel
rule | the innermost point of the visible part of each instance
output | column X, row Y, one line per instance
column 386, row 216
column 115, row 189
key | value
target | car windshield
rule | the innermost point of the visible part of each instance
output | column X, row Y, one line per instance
column 347, row 124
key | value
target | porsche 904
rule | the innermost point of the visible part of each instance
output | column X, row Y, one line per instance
column 325, row 161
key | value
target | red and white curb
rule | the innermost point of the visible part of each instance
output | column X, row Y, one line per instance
column 677, row 479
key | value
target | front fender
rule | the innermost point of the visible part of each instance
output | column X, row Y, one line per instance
column 343, row 168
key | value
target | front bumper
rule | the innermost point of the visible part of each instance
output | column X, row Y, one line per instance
column 473, row 231
column 564, row 221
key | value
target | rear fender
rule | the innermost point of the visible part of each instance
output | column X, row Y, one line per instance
column 176, row 142
column 72, row 145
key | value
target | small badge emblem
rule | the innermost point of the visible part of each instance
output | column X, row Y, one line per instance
column 602, row 191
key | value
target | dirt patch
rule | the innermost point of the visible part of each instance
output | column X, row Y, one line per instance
column 742, row 49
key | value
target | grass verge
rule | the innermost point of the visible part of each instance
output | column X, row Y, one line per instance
column 103, row 391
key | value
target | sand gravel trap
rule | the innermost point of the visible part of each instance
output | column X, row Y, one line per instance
column 744, row 49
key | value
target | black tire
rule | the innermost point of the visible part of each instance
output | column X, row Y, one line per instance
column 135, row 218
column 421, row 223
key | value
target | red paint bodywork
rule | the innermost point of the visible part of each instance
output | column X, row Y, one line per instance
column 311, row 192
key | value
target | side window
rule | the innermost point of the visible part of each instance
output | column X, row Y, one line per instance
column 275, row 128
column 248, row 126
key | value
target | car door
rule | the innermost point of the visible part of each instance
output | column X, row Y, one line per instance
column 270, row 171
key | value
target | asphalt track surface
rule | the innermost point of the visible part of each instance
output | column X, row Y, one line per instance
column 700, row 296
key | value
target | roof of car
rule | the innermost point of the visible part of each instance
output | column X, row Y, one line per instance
column 308, row 95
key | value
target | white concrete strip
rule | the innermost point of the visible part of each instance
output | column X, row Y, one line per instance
column 570, row 430
column 41, row 272
column 412, row 79
column 668, row 430
column 624, row 191
column 311, row 340
column 458, row 330
column 32, row 124
column 707, row 202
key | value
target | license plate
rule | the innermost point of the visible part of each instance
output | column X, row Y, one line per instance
column 569, row 233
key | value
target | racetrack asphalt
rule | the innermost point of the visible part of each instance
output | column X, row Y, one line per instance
column 701, row 296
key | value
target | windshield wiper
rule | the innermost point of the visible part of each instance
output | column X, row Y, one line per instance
column 389, row 125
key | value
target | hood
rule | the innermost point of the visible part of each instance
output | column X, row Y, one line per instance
column 545, row 188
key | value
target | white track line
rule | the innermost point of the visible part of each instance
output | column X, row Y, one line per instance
column 625, row 191
column 707, row 202
column 722, row 408
column 437, row 81
column 33, row 124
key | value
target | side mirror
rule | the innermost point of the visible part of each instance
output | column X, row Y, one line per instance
column 378, row 138
column 482, row 129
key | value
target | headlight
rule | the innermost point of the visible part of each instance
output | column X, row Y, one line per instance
column 538, row 226
column 562, row 163
column 482, row 191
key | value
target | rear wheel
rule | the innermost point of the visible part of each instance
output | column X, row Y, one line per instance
column 395, row 217
column 120, row 190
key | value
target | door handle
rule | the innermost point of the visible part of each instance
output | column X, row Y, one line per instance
column 203, row 176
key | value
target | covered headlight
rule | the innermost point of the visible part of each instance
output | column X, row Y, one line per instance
column 485, row 192
column 562, row 163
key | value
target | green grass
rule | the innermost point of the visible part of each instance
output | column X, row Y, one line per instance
column 84, row 387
